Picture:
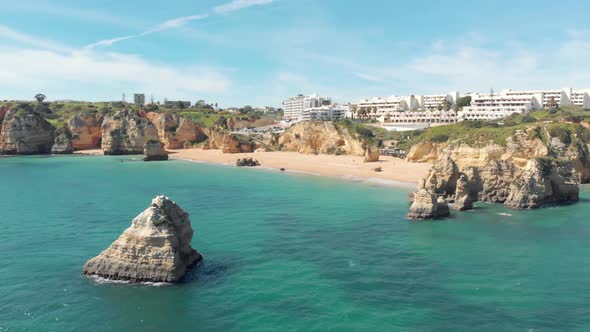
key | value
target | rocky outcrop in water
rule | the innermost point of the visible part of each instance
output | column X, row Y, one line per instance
column 155, row 248
column 247, row 162
column 176, row 131
column 86, row 131
column 426, row 205
column 126, row 133
column 25, row 132
column 154, row 151
column 321, row 137
column 63, row 142
column 542, row 181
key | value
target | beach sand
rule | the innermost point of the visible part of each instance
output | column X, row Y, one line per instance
column 395, row 171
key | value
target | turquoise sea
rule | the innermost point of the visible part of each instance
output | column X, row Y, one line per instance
column 283, row 252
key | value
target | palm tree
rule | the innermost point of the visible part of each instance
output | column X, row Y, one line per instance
column 40, row 97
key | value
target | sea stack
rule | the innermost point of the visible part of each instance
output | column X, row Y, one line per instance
column 154, row 150
column 155, row 248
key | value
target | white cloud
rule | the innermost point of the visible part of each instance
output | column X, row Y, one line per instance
column 22, row 38
column 170, row 24
column 80, row 73
column 239, row 4
column 176, row 23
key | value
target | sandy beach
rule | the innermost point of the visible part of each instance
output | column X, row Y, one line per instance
column 395, row 171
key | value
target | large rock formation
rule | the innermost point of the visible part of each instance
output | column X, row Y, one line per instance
column 542, row 181
column 86, row 131
column 25, row 132
column 155, row 248
column 63, row 142
column 126, row 133
column 321, row 137
column 154, row 151
column 247, row 162
column 371, row 154
column 537, row 141
column 175, row 131
column 234, row 143
column 426, row 206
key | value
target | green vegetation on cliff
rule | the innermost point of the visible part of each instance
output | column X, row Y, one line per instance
column 562, row 123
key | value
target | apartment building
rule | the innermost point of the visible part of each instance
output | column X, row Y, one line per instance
column 324, row 113
column 293, row 107
column 492, row 107
column 434, row 117
column 435, row 102
column 560, row 97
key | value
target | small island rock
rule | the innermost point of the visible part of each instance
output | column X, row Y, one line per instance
column 155, row 248
column 154, row 150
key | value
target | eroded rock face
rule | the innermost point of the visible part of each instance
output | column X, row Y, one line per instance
column 544, row 181
column 247, row 162
column 234, row 143
column 25, row 132
column 154, row 151
column 63, row 142
column 426, row 206
column 321, row 137
column 126, row 133
column 175, row 131
column 463, row 198
column 155, row 248
column 442, row 178
column 86, row 131
column 521, row 147
column 371, row 154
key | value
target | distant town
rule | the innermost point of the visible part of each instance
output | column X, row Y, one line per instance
column 402, row 113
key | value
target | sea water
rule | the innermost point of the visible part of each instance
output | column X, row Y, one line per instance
column 282, row 252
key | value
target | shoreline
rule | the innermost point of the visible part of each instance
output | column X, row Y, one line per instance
column 395, row 172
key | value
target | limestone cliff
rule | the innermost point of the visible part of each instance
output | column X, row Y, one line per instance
column 126, row 133
column 154, row 151
column 63, row 142
column 540, row 182
column 321, row 137
column 155, row 248
column 25, row 132
column 175, row 131
column 86, row 131
column 234, row 143
column 522, row 146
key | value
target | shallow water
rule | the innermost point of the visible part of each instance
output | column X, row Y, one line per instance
column 283, row 252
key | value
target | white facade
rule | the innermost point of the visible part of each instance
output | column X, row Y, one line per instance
column 294, row 107
column 562, row 97
column 494, row 107
column 324, row 113
column 435, row 102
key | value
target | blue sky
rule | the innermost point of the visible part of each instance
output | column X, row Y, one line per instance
column 257, row 52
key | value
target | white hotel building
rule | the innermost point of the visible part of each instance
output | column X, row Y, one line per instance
column 494, row 107
column 294, row 107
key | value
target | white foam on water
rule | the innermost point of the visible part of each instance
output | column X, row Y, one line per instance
column 505, row 214
column 101, row 280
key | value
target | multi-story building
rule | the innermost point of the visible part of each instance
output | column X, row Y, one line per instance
column 139, row 99
column 580, row 98
column 293, row 107
column 492, row 107
column 438, row 102
column 378, row 107
column 551, row 98
column 324, row 113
